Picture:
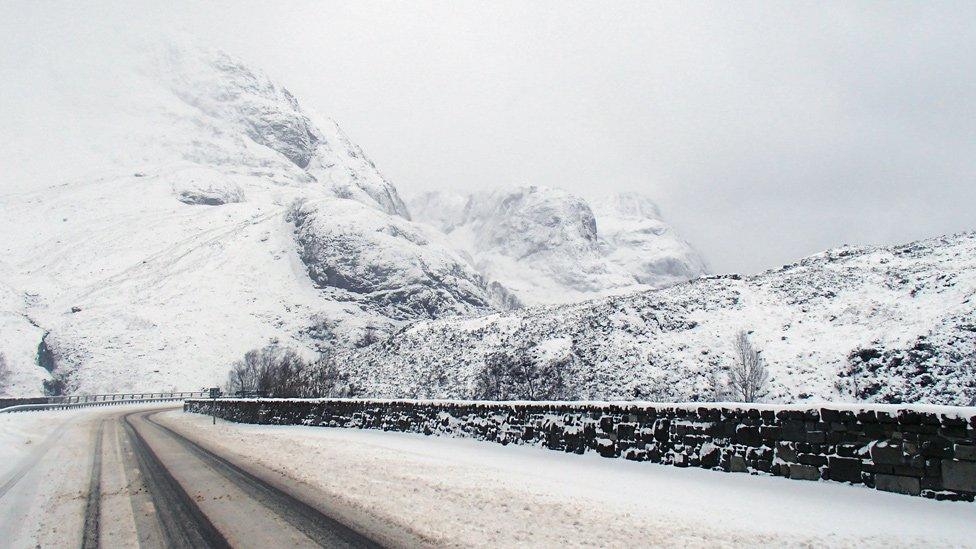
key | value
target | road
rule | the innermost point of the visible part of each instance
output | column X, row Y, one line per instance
column 118, row 477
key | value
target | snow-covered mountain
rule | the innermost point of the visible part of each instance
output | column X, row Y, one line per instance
column 189, row 209
column 549, row 246
column 212, row 214
column 893, row 324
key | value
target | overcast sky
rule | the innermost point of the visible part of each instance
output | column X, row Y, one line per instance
column 765, row 131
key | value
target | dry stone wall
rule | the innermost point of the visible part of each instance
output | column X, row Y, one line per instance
column 928, row 452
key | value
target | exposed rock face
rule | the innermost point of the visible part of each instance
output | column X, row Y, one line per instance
column 406, row 270
column 204, row 186
column 234, row 97
column 853, row 324
column 635, row 237
column 549, row 246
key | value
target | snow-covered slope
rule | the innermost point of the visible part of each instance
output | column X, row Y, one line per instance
column 206, row 213
column 877, row 324
column 549, row 246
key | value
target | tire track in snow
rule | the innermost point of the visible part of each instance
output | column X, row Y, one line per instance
column 93, row 506
column 182, row 522
column 321, row 528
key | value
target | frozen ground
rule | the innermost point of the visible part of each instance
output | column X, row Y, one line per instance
column 456, row 492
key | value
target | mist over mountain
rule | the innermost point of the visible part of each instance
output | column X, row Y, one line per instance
column 215, row 213
column 550, row 246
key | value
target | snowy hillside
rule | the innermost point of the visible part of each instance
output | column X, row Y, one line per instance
column 549, row 246
column 190, row 209
column 876, row 324
column 212, row 215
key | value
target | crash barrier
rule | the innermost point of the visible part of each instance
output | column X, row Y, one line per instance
column 82, row 401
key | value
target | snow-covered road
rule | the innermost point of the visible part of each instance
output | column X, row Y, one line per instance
column 112, row 477
column 141, row 475
column 455, row 492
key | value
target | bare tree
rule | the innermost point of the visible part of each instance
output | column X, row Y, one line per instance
column 371, row 336
column 518, row 374
column 273, row 371
column 324, row 379
column 243, row 375
column 748, row 376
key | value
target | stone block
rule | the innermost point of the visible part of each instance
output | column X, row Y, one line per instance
column 812, row 459
column 748, row 436
column 794, row 431
column 965, row 452
column 711, row 458
column 803, row 472
column 844, row 469
column 785, row 452
column 867, row 416
column 770, row 433
column 959, row 475
column 933, row 449
column 626, row 431
column 886, row 453
column 902, row 485
column 738, row 464
column 909, row 471
column 953, row 432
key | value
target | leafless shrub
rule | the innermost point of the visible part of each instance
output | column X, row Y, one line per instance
column 748, row 376
column 276, row 371
column 519, row 375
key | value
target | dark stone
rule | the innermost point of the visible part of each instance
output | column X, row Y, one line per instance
column 901, row 485
column 867, row 416
column 887, row 453
column 748, row 436
column 785, row 452
column 936, row 450
column 829, row 416
column 953, row 432
column 770, row 434
column 625, row 431
column 803, row 472
column 794, row 431
column 606, row 447
column 738, row 464
column 812, row 459
column 711, row 458
column 885, row 417
column 964, row 452
column 909, row 471
column 878, row 468
column 959, row 475
column 844, row 469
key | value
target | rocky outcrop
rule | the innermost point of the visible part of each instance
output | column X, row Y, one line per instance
column 405, row 270
column 203, row 186
column 236, row 98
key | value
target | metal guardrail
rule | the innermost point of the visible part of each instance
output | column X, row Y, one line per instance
column 84, row 401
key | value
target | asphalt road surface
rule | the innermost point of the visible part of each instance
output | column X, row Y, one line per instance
column 118, row 477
